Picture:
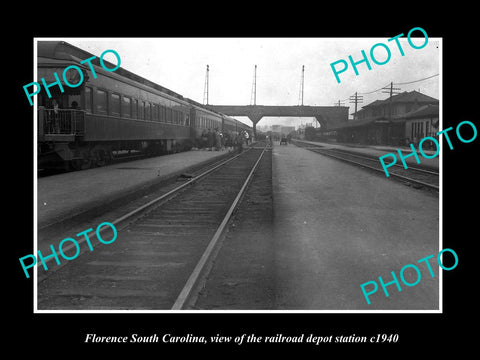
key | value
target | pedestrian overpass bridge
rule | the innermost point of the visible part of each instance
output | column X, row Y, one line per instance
column 327, row 116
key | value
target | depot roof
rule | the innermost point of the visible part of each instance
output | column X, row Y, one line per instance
column 424, row 111
column 405, row 97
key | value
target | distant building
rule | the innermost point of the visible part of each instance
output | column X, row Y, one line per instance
column 279, row 130
column 399, row 120
column 287, row 129
column 276, row 128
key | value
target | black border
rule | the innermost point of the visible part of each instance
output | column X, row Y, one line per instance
column 434, row 333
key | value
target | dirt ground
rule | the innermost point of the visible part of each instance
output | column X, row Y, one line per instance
column 242, row 276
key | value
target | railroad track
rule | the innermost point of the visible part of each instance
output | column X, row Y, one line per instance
column 413, row 175
column 163, row 250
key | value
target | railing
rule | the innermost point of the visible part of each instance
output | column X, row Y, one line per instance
column 61, row 121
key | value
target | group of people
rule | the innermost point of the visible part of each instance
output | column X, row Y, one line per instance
column 216, row 140
column 58, row 121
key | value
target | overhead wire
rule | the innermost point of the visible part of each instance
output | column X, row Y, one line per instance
column 403, row 83
column 411, row 82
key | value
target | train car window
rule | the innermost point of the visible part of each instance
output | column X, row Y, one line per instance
column 126, row 107
column 88, row 99
column 148, row 113
column 101, row 101
column 134, row 108
column 175, row 117
column 161, row 115
column 169, row 115
column 155, row 112
column 187, row 120
column 115, row 105
column 141, row 110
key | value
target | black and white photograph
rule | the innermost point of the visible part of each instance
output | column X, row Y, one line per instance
column 308, row 187
column 256, row 175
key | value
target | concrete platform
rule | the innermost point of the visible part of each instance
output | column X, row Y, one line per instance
column 338, row 226
column 62, row 196
column 379, row 150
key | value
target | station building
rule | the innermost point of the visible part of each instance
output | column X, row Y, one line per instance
column 400, row 120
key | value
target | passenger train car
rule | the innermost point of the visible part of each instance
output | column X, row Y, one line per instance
column 118, row 111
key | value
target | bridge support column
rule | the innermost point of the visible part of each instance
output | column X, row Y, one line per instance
column 321, row 121
column 255, row 118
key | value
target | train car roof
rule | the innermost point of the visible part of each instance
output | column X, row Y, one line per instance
column 59, row 52
column 65, row 51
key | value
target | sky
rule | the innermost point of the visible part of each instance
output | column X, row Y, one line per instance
column 180, row 65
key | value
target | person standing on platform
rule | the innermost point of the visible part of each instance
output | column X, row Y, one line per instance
column 211, row 140
column 204, row 140
column 246, row 137
column 239, row 142
column 218, row 140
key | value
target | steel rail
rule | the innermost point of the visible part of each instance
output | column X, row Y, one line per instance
column 185, row 295
column 326, row 153
column 369, row 158
column 136, row 211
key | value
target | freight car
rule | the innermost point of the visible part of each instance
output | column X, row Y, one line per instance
column 115, row 112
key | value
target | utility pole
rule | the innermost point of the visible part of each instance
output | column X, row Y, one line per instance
column 391, row 91
column 300, row 95
column 340, row 103
column 356, row 99
column 254, row 87
column 205, row 88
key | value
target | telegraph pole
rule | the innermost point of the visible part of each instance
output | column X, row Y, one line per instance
column 205, row 88
column 391, row 91
column 356, row 99
column 254, row 87
column 300, row 95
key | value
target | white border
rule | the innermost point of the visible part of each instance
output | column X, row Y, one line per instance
column 35, row 226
